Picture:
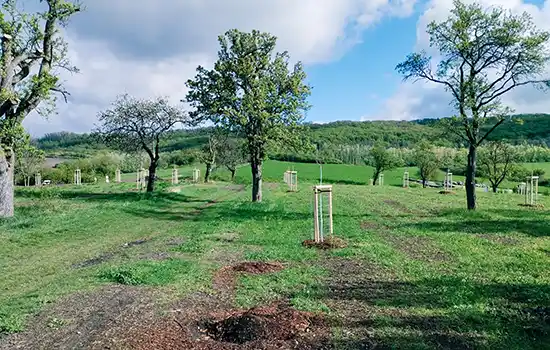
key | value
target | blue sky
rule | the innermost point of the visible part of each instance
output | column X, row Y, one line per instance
column 151, row 50
column 357, row 84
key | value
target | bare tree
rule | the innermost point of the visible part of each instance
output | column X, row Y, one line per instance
column 133, row 125
column 485, row 53
column 496, row 160
column 32, row 53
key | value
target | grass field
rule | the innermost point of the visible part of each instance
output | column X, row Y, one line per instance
column 332, row 173
column 419, row 272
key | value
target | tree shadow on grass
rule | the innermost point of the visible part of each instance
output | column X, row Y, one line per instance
column 512, row 315
column 533, row 228
column 227, row 210
column 112, row 196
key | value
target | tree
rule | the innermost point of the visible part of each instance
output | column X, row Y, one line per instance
column 381, row 159
column 232, row 154
column 29, row 162
column 426, row 160
column 252, row 92
column 32, row 53
column 134, row 125
column 484, row 54
column 209, row 153
column 496, row 160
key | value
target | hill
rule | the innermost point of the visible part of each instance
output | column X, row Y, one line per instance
column 532, row 129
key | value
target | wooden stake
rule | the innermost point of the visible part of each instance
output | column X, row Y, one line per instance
column 316, row 216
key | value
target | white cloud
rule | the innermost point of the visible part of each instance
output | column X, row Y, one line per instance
column 152, row 49
column 420, row 100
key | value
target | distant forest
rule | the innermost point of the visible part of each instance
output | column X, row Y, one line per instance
column 530, row 129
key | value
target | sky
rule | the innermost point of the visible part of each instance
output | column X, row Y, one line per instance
column 149, row 48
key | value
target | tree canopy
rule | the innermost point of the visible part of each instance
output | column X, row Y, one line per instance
column 134, row 125
column 253, row 92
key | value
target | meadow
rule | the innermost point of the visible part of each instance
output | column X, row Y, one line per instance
column 418, row 272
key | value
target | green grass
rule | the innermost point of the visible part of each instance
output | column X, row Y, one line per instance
column 419, row 271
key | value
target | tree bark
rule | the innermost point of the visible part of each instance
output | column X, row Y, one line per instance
column 232, row 174
column 495, row 188
column 256, row 167
column 6, row 184
column 375, row 177
column 423, row 183
column 471, row 178
column 152, row 176
column 207, row 172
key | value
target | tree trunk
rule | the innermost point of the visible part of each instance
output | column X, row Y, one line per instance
column 6, row 185
column 495, row 188
column 375, row 177
column 207, row 172
column 152, row 176
column 471, row 178
column 256, row 167
column 424, row 183
column 232, row 175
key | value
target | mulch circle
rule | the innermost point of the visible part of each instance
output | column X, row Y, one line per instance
column 278, row 321
column 536, row 206
column 330, row 242
column 275, row 326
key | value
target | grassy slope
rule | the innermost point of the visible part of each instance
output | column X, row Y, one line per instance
column 430, row 266
column 343, row 174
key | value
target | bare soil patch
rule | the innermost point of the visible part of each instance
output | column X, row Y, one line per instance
column 369, row 225
column 447, row 192
column 236, row 188
column 276, row 326
column 86, row 320
column 535, row 206
column 331, row 242
column 109, row 255
column 398, row 206
column 499, row 239
column 418, row 247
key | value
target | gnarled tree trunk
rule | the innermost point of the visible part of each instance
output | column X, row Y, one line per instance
column 6, row 184
column 471, row 178
column 256, row 166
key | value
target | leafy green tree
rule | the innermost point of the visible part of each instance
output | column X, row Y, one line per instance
column 29, row 161
column 484, row 54
column 496, row 161
column 136, row 125
column 426, row 161
column 251, row 91
column 209, row 154
column 32, row 51
column 381, row 159
column 232, row 153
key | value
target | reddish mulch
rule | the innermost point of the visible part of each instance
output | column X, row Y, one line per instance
column 330, row 242
column 258, row 267
column 276, row 326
